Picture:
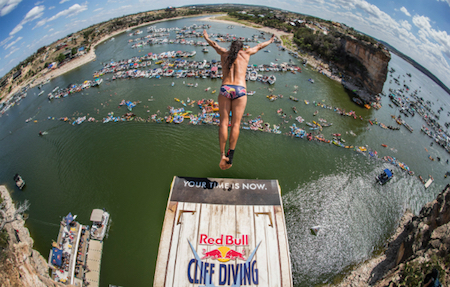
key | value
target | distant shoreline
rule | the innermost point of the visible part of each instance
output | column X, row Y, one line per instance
column 81, row 60
column 91, row 56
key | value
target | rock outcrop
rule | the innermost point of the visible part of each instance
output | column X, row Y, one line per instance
column 420, row 244
column 367, row 65
column 20, row 264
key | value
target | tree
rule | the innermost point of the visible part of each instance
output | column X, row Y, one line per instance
column 74, row 51
column 60, row 58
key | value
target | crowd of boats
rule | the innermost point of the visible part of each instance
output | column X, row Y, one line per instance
column 181, row 68
column 410, row 104
column 160, row 36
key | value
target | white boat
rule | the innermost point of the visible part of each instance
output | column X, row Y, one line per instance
column 429, row 182
column 100, row 220
column 271, row 79
column 41, row 93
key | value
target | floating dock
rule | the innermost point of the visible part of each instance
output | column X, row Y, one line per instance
column 223, row 232
column 93, row 261
column 75, row 257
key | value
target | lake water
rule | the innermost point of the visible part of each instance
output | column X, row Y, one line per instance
column 127, row 167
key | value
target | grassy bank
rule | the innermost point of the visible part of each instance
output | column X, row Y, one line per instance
column 242, row 22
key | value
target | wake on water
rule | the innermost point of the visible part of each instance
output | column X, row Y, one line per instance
column 355, row 216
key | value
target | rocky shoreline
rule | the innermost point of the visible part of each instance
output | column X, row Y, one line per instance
column 419, row 244
column 20, row 264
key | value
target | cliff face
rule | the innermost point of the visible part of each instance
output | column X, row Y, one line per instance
column 372, row 69
column 20, row 265
column 420, row 244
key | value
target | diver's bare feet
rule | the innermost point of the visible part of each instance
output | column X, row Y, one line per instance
column 223, row 163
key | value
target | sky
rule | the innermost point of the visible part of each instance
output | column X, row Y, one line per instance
column 417, row 28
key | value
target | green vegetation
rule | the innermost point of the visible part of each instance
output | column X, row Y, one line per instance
column 287, row 42
column 239, row 21
column 414, row 272
column 3, row 239
column 60, row 58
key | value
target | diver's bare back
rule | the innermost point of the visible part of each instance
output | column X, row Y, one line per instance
column 235, row 75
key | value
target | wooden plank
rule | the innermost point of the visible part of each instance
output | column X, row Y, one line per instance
column 260, row 236
column 173, row 248
column 188, row 233
column 205, row 222
column 283, row 246
column 164, row 244
column 272, row 250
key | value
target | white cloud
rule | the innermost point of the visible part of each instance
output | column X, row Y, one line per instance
column 421, row 22
column 51, row 29
column 51, row 7
column 63, row 1
column 34, row 13
column 6, row 40
column 13, row 42
column 7, row 6
column 427, row 33
column 405, row 24
column 98, row 9
column 12, row 52
column 40, row 23
column 72, row 11
column 16, row 29
column 404, row 10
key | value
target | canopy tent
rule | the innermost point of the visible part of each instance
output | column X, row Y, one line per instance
column 97, row 215
column 214, row 69
column 388, row 172
column 69, row 218
column 56, row 259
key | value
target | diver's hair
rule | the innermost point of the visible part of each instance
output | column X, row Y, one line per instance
column 235, row 47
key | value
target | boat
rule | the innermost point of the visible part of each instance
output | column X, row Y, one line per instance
column 293, row 98
column 41, row 93
column 19, row 181
column 429, row 182
column 384, row 177
column 100, row 220
column 205, row 50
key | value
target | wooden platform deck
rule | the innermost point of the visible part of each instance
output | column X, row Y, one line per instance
column 93, row 262
column 223, row 232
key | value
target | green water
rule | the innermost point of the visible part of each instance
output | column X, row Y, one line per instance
column 127, row 167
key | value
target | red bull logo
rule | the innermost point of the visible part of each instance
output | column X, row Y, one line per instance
column 223, row 254
column 224, row 240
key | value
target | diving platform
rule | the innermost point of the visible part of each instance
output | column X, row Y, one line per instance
column 223, row 232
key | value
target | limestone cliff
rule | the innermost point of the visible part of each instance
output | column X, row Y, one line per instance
column 20, row 265
column 420, row 244
column 367, row 65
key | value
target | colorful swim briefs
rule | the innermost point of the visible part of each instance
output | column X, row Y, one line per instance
column 232, row 91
